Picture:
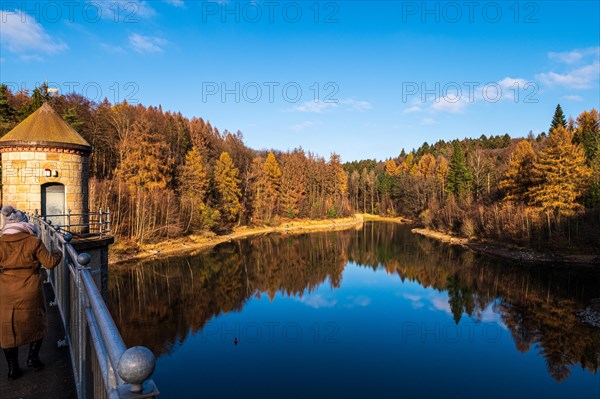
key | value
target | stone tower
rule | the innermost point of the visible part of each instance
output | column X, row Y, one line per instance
column 45, row 166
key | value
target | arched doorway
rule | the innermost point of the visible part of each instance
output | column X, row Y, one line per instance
column 53, row 202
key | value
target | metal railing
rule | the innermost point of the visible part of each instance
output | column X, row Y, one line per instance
column 81, row 224
column 103, row 367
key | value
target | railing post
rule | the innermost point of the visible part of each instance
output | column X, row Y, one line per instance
column 100, row 222
column 68, row 220
column 108, row 220
column 64, row 288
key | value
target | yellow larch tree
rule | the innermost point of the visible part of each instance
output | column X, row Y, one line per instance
column 519, row 176
column 560, row 176
column 227, row 185
column 272, row 174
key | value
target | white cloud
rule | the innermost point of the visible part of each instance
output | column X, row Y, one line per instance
column 415, row 300
column 413, row 109
column 457, row 101
column 512, row 83
column 441, row 303
column 453, row 105
column 584, row 72
column 317, row 301
column 315, row 107
column 574, row 56
column 146, row 44
column 428, row 121
column 319, row 107
column 490, row 316
column 356, row 105
column 21, row 34
column 176, row 3
column 579, row 78
column 360, row 301
column 304, row 125
column 573, row 98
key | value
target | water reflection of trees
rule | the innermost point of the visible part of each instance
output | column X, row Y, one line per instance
column 158, row 304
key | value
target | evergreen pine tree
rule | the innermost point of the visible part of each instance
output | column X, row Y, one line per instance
column 458, row 174
column 7, row 113
column 588, row 134
column 71, row 117
column 38, row 98
column 558, row 119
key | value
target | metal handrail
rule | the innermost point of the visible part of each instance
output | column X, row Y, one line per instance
column 101, row 224
column 121, row 372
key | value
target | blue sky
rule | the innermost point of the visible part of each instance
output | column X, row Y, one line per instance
column 363, row 79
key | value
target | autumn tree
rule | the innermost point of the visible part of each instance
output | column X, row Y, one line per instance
column 441, row 176
column 458, row 174
column 122, row 117
column 560, row 176
column 293, row 184
column 519, row 179
column 426, row 166
column 146, row 164
column 227, row 186
column 423, row 183
column 272, row 183
column 193, row 188
column 337, row 185
column 408, row 163
column 354, row 188
column 391, row 168
column 256, row 189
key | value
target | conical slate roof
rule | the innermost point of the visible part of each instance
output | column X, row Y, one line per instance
column 45, row 128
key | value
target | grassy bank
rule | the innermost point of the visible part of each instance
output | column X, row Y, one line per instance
column 509, row 251
column 124, row 253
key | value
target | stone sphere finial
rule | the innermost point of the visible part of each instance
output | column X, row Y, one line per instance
column 135, row 366
column 84, row 258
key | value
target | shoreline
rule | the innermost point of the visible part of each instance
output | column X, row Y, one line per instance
column 513, row 252
column 194, row 244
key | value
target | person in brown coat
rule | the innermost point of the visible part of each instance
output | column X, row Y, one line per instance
column 22, row 303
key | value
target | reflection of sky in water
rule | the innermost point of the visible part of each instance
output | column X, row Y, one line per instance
column 375, row 336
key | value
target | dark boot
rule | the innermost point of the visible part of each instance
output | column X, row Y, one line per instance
column 12, row 358
column 33, row 360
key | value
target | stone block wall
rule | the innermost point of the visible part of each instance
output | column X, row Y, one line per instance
column 23, row 174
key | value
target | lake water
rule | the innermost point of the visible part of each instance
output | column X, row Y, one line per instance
column 374, row 312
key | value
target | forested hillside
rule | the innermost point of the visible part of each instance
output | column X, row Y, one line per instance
column 166, row 175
